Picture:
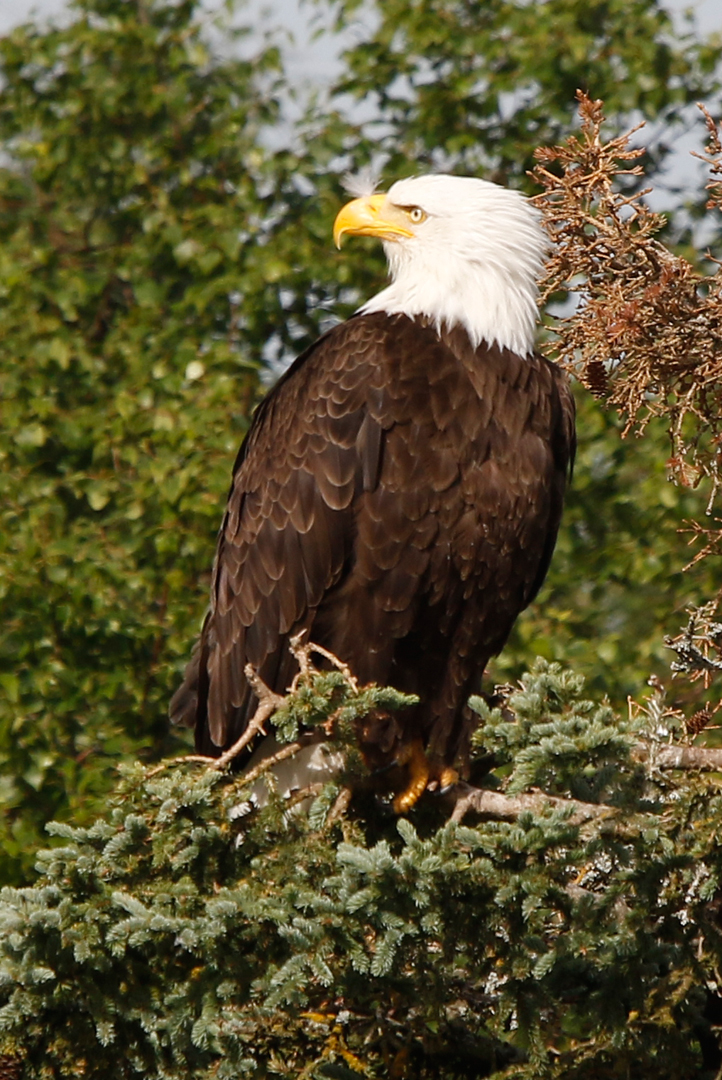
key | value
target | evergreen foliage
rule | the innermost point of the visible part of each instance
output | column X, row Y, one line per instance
column 178, row 936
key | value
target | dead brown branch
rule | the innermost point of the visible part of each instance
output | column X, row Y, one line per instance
column 712, row 157
column 647, row 332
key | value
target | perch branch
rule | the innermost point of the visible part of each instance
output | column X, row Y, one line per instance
column 493, row 804
column 311, row 791
column 268, row 702
column 496, row 805
column 339, row 807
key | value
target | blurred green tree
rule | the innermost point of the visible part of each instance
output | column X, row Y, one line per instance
column 158, row 249
column 479, row 85
column 134, row 205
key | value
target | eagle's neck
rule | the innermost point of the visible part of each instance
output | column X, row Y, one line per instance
column 505, row 317
column 489, row 287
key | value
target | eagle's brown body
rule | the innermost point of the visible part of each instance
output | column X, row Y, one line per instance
column 398, row 495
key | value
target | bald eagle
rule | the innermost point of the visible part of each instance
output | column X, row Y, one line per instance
column 399, row 491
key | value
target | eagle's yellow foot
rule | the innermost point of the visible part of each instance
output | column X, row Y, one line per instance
column 414, row 756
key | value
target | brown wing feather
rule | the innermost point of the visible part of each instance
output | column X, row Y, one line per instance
column 287, row 530
column 399, row 494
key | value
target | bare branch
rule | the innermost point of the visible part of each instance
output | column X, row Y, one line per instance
column 679, row 757
column 693, row 647
column 501, row 807
column 712, row 157
column 494, row 804
column 306, row 670
column 340, row 806
column 268, row 702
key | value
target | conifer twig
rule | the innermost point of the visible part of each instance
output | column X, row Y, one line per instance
column 646, row 335
column 340, row 806
column 310, row 791
column 268, row 702
column 302, row 654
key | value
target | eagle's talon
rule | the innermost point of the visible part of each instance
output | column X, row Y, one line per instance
column 448, row 778
column 381, row 769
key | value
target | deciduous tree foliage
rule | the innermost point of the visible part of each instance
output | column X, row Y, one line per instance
column 481, row 85
column 140, row 280
column 155, row 251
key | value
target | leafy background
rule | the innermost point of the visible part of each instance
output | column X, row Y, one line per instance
column 165, row 215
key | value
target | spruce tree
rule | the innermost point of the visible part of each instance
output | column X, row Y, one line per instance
column 567, row 929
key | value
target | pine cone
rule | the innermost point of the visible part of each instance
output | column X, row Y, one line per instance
column 698, row 722
column 596, row 378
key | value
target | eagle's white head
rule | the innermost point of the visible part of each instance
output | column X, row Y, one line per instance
column 460, row 251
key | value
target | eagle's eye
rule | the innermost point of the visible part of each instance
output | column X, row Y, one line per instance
column 416, row 215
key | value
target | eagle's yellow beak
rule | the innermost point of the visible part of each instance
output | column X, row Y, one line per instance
column 372, row 215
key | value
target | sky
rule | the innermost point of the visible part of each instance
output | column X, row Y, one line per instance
column 308, row 60
column 296, row 15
